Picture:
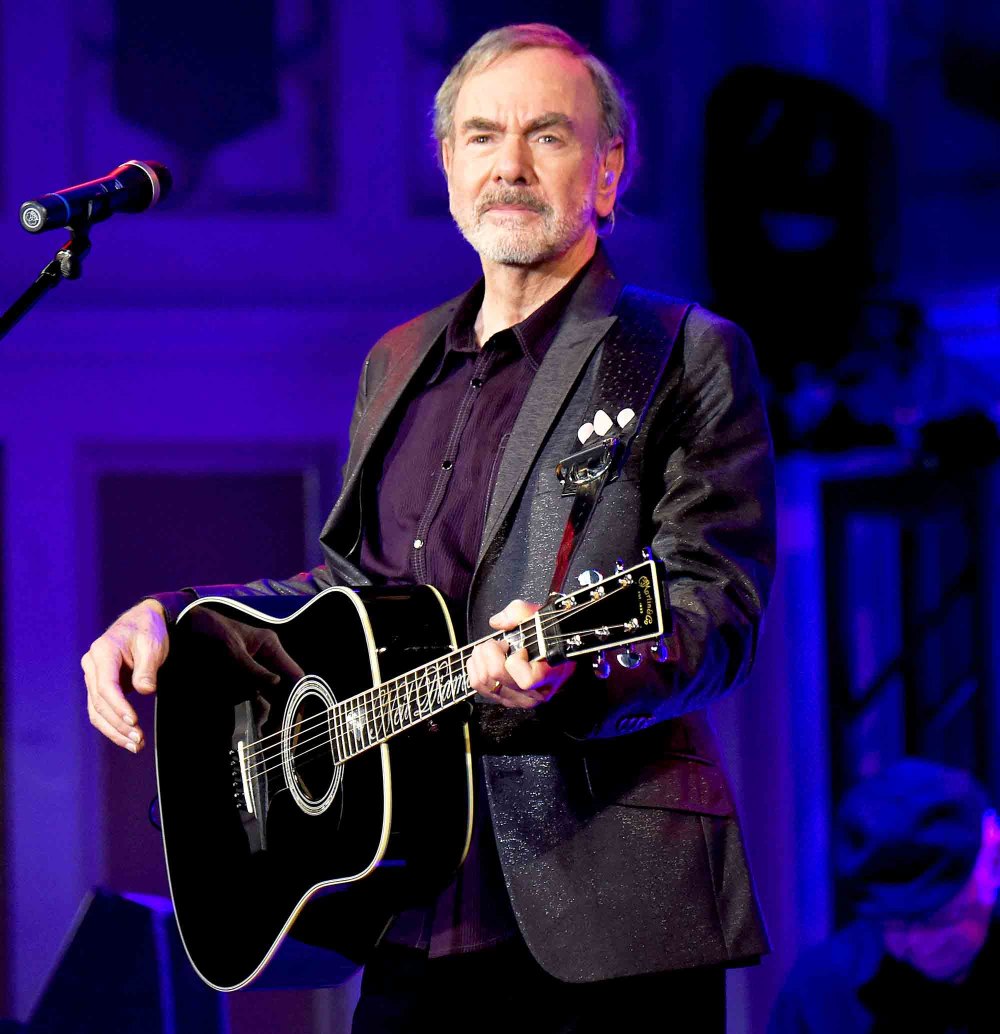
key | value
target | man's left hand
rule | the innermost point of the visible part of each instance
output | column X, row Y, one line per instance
column 510, row 678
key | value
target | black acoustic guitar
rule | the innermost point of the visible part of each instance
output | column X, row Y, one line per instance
column 313, row 763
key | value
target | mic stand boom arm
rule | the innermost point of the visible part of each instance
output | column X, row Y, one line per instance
column 67, row 265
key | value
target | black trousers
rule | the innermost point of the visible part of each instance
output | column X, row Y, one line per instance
column 503, row 990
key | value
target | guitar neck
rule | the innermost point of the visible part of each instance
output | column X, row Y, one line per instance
column 622, row 609
column 404, row 702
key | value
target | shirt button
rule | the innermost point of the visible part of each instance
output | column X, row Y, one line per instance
column 418, row 543
column 446, row 465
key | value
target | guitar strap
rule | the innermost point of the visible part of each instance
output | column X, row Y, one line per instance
column 633, row 360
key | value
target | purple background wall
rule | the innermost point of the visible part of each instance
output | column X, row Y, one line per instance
column 225, row 332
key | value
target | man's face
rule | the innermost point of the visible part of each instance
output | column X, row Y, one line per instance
column 524, row 175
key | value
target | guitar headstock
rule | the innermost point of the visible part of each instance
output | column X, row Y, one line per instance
column 604, row 613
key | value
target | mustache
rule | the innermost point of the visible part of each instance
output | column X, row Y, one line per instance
column 511, row 196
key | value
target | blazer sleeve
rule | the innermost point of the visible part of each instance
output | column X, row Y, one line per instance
column 707, row 468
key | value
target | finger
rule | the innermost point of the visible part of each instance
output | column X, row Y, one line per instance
column 105, row 662
column 88, row 673
column 538, row 679
column 494, row 660
column 475, row 671
column 484, row 666
column 513, row 614
column 278, row 659
column 527, row 674
column 98, row 707
column 529, row 678
column 103, row 726
column 510, row 695
column 255, row 670
column 517, row 698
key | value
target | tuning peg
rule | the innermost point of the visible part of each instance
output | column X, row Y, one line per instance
column 628, row 658
column 590, row 577
column 602, row 667
column 660, row 651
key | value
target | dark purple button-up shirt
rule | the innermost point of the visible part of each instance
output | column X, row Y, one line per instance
column 437, row 462
column 439, row 457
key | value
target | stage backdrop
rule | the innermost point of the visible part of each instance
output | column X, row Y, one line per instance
column 210, row 354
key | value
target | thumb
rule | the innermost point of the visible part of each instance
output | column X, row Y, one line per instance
column 513, row 614
column 145, row 663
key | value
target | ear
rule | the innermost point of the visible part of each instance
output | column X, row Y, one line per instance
column 609, row 173
column 446, row 155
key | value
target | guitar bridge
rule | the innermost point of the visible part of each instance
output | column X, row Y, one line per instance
column 242, row 790
column 249, row 787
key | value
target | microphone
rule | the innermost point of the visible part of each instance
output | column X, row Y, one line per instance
column 132, row 187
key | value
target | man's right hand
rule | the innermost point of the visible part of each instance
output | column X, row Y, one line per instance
column 126, row 657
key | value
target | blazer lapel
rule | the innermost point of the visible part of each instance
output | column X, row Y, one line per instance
column 584, row 326
column 410, row 349
column 410, row 352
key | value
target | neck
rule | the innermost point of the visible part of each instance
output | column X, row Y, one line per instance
column 513, row 293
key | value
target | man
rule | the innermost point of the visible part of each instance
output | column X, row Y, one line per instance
column 620, row 857
column 919, row 851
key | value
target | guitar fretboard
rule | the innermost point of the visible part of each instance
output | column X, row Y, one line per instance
column 392, row 707
column 619, row 610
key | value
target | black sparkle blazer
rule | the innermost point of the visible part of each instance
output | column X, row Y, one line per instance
column 620, row 843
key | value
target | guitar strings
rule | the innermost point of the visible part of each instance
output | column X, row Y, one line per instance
column 324, row 740
column 342, row 726
column 358, row 733
column 342, row 712
column 347, row 739
column 548, row 618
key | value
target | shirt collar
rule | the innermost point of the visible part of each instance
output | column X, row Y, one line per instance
column 533, row 334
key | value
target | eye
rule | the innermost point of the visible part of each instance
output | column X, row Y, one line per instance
column 548, row 138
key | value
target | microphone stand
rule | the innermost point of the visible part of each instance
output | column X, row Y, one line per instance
column 67, row 265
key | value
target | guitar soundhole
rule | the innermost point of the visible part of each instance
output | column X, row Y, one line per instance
column 312, row 758
column 312, row 773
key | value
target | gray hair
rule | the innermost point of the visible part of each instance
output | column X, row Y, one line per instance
column 617, row 120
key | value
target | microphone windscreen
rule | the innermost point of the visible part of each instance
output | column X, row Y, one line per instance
column 164, row 176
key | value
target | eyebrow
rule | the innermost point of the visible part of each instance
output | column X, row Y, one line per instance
column 547, row 121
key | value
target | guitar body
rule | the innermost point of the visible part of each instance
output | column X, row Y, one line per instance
column 266, row 833
column 313, row 759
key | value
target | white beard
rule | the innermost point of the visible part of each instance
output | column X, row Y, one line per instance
column 514, row 241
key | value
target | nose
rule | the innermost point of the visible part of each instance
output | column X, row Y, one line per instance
column 513, row 161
